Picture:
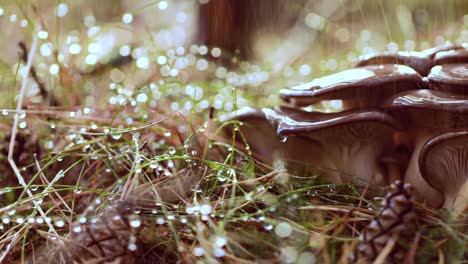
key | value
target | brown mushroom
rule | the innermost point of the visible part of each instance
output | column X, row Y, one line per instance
column 348, row 144
column 267, row 146
column 451, row 78
column 361, row 87
column 451, row 56
column 419, row 61
column 444, row 165
column 431, row 52
column 352, row 140
column 426, row 114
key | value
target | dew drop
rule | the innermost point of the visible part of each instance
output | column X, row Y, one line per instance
column 283, row 229
column 283, row 139
column 116, row 136
column 219, row 252
column 205, row 209
column 135, row 223
column 59, row 223
column 6, row 190
column 132, row 247
column 22, row 124
column 154, row 164
column 172, row 151
column 289, row 254
column 220, row 241
column 198, row 251
column 306, row 258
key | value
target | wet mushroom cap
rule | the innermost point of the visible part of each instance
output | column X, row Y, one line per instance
column 431, row 52
column 322, row 121
column 260, row 132
column 450, row 77
column 429, row 99
column 419, row 61
column 451, row 56
column 430, row 109
column 353, row 141
column 443, row 163
column 370, row 85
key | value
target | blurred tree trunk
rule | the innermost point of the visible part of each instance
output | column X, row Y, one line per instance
column 232, row 25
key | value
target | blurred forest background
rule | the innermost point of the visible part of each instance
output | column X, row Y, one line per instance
column 285, row 41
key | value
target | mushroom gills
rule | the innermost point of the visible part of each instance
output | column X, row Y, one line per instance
column 444, row 165
column 352, row 140
column 426, row 114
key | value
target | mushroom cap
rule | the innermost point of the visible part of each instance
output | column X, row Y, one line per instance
column 443, row 163
column 293, row 122
column 419, row 61
column 353, row 141
column 266, row 145
column 430, row 109
column 371, row 84
column 431, row 52
column 450, row 77
column 349, row 142
column 451, row 56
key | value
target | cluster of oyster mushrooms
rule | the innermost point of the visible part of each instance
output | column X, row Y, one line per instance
column 404, row 117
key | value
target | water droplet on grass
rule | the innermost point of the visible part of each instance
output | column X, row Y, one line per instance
column 283, row 229
column 135, row 223
column 198, row 251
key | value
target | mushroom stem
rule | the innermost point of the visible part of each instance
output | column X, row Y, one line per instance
column 423, row 191
column 460, row 202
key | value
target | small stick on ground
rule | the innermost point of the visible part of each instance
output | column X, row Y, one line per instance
column 14, row 131
column 44, row 93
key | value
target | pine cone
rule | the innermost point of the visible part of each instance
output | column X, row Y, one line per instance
column 397, row 217
column 107, row 238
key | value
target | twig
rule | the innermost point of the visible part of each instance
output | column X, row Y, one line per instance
column 44, row 93
column 14, row 131
column 49, row 186
column 386, row 250
column 412, row 252
column 339, row 208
